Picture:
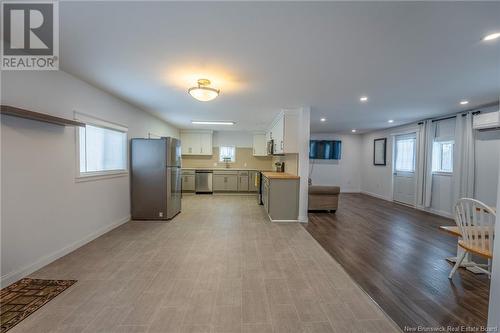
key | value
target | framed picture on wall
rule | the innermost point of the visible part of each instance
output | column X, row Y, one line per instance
column 379, row 151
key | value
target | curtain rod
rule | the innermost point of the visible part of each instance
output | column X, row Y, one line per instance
column 465, row 112
column 451, row 117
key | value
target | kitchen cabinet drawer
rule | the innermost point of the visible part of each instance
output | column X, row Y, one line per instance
column 225, row 172
column 187, row 172
column 242, row 183
column 188, row 182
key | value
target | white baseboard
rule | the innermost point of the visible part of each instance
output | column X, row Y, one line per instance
column 376, row 196
column 349, row 190
column 12, row 277
column 437, row 212
column 429, row 210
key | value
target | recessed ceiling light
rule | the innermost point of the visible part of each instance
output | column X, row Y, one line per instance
column 390, row 121
column 323, row 120
column 492, row 36
column 353, row 130
column 363, row 98
column 201, row 122
column 464, row 102
column 203, row 92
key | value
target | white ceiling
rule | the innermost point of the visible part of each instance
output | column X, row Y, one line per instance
column 413, row 60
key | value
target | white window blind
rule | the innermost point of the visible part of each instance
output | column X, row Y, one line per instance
column 405, row 153
column 227, row 154
column 102, row 147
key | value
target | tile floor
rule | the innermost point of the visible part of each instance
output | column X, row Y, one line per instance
column 219, row 266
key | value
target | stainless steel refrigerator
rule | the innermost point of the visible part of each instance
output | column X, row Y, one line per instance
column 155, row 178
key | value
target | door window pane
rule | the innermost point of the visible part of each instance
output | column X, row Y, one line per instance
column 405, row 154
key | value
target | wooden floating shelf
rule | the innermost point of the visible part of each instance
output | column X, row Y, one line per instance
column 43, row 117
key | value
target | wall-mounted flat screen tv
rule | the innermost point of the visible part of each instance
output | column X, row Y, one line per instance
column 325, row 149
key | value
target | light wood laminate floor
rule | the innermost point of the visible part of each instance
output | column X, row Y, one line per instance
column 219, row 266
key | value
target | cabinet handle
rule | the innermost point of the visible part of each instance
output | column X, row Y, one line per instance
column 281, row 144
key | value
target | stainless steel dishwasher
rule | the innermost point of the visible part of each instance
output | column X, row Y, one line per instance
column 203, row 181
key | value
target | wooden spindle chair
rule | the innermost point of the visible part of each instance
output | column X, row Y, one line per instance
column 476, row 222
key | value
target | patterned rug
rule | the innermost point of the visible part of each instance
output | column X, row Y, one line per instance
column 25, row 296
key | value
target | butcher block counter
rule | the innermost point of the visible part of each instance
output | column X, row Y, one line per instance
column 279, row 175
column 280, row 195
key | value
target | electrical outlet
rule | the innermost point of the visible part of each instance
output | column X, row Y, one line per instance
column 160, row 214
column 245, row 164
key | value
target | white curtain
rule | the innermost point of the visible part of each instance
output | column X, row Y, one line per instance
column 426, row 139
column 464, row 159
column 429, row 141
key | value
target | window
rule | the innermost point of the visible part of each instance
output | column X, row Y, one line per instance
column 442, row 156
column 102, row 147
column 227, row 154
column 405, row 153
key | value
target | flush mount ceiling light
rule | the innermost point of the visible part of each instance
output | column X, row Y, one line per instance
column 464, row 102
column 492, row 36
column 203, row 92
column 363, row 98
column 353, row 130
column 323, row 120
column 201, row 122
column 390, row 121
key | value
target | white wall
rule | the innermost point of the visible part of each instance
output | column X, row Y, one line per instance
column 233, row 138
column 377, row 180
column 487, row 165
column 45, row 213
column 494, row 306
column 344, row 172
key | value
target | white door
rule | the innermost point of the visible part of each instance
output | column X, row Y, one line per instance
column 405, row 153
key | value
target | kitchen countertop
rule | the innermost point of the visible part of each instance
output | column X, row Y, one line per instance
column 279, row 175
column 225, row 169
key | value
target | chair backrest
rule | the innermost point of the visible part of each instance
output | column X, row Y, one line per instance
column 476, row 222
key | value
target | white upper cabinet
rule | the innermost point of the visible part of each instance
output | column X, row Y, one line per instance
column 259, row 145
column 283, row 132
column 206, row 143
column 196, row 142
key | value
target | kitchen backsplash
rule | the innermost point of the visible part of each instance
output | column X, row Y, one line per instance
column 291, row 162
column 244, row 159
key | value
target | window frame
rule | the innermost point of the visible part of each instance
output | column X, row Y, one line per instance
column 231, row 146
column 440, row 171
column 96, row 175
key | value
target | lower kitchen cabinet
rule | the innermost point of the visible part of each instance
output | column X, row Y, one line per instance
column 243, row 181
column 225, row 181
column 253, row 184
column 281, row 198
column 188, row 182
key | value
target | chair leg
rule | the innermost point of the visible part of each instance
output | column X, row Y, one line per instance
column 457, row 264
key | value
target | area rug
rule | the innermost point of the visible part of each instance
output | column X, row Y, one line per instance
column 25, row 296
